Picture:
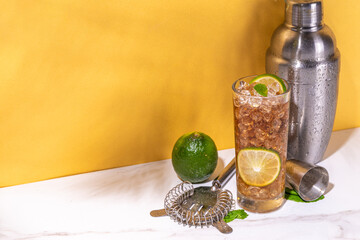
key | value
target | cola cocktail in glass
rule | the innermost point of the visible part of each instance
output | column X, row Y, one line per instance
column 261, row 135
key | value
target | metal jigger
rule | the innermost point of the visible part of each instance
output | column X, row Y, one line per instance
column 309, row 181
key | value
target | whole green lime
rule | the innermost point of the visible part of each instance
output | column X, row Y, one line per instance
column 194, row 157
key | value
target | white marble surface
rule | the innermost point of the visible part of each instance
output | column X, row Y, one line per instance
column 115, row 204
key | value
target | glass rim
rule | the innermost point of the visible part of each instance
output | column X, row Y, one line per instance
column 252, row 76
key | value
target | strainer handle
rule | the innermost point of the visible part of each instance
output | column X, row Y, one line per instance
column 225, row 175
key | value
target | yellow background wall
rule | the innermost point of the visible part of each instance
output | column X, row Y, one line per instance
column 90, row 85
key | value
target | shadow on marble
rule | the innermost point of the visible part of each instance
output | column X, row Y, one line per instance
column 156, row 180
column 337, row 140
column 153, row 178
column 129, row 182
column 162, row 180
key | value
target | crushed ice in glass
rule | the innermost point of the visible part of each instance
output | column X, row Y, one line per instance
column 247, row 89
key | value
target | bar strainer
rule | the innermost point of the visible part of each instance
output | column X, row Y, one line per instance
column 201, row 206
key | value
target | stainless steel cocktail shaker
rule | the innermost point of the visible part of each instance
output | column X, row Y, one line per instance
column 303, row 51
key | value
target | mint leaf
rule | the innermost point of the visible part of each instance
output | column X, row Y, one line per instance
column 261, row 89
column 235, row 214
column 294, row 196
column 291, row 191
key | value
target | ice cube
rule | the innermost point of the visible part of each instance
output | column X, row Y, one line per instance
column 276, row 124
column 267, row 117
column 274, row 86
column 255, row 93
column 256, row 116
column 265, row 108
column 245, row 92
column 271, row 92
column 260, row 134
column 268, row 143
column 239, row 100
column 246, row 121
column 245, row 111
column 254, row 191
column 242, row 85
column 255, row 102
column 281, row 114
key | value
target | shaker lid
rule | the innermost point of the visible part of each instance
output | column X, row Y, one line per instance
column 303, row 13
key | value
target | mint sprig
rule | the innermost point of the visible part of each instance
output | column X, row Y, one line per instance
column 235, row 214
column 261, row 89
column 294, row 196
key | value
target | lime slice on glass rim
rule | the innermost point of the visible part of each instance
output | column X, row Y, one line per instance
column 258, row 166
column 269, row 80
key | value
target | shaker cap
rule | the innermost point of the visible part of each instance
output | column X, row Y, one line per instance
column 303, row 13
